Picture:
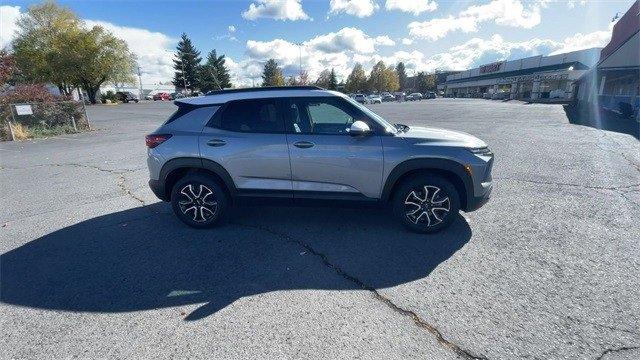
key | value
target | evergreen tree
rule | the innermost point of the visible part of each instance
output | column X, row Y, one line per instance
column 402, row 75
column 272, row 74
column 214, row 75
column 357, row 80
column 333, row 81
column 186, row 63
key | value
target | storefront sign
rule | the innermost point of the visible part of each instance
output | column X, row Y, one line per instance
column 537, row 77
column 490, row 68
column 24, row 110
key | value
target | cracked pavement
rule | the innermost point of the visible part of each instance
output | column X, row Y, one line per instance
column 93, row 266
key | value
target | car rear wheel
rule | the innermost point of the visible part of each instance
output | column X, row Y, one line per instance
column 426, row 204
column 199, row 201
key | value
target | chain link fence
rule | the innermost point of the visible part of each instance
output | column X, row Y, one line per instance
column 42, row 119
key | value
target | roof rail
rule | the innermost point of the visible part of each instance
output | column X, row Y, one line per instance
column 265, row 88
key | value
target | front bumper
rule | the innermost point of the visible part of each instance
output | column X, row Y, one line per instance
column 476, row 202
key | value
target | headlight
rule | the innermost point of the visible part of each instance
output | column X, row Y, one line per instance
column 483, row 151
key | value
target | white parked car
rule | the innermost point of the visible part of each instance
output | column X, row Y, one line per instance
column 374, row 99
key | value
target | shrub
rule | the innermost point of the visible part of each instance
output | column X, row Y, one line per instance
column 51, row 114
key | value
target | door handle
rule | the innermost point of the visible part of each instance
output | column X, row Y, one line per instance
column 216, row 142
column 303, row 144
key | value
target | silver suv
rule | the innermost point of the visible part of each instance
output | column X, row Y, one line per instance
column 306, row 143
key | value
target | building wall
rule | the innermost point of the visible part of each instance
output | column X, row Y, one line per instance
column 628, row 24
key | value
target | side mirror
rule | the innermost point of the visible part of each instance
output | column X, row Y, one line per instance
column 359, row 128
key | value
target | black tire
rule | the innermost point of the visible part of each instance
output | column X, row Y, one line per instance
column 191, row 200
column 432, row 207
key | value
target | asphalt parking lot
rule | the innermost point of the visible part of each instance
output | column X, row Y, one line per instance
column 93, row 266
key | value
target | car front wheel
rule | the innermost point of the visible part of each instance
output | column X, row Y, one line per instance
column 426, row 204
column 199, row 201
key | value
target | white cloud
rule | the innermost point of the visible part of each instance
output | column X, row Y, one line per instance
column 359, row 8
column 276, row 9
column 8, row 17
column 384, row 40
column 584, row 41
column 244, row 73
column 153, row 49
column 332, row 50
column 348, row 39
column 276, row 49
column 438, row 28
column 407, row 41
column 289, row 56
column 502, row 12
column 506, row 13
column 479, row 51
column 231, row 28
column 416, row 7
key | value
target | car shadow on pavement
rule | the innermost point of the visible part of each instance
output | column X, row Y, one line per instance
column 143, row 258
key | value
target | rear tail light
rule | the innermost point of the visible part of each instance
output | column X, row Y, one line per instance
column 154, row 140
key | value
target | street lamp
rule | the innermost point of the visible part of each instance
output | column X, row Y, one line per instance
column 300, row 59
column 139, row 80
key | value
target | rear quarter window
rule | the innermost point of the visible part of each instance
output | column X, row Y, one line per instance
column 191, row 118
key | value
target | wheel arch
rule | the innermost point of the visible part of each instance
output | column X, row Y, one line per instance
column 175, row 169
column 448, row 169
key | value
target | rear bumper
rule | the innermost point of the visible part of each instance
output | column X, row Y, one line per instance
column 476, row 202
column 158, row 189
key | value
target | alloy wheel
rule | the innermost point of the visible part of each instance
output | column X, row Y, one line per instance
column 198, row 202
column 427, row 206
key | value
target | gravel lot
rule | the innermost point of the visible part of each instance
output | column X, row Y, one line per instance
column 93, row 266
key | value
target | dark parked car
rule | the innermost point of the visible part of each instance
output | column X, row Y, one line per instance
column 126, row 96
column 414, row 97
column 430, row 95
column 388, row 97
column 161, row 96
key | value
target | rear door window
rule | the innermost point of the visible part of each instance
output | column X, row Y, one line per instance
column 258, row 116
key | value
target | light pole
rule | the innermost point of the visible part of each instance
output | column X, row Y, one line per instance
column 300, row 59
column 139, row 80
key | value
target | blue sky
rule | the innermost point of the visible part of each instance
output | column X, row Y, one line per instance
column 425, row 34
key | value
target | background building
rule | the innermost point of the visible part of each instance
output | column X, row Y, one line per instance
column 612, row 85
column 538, row 78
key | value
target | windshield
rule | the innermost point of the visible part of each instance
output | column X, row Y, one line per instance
column 387, row 126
